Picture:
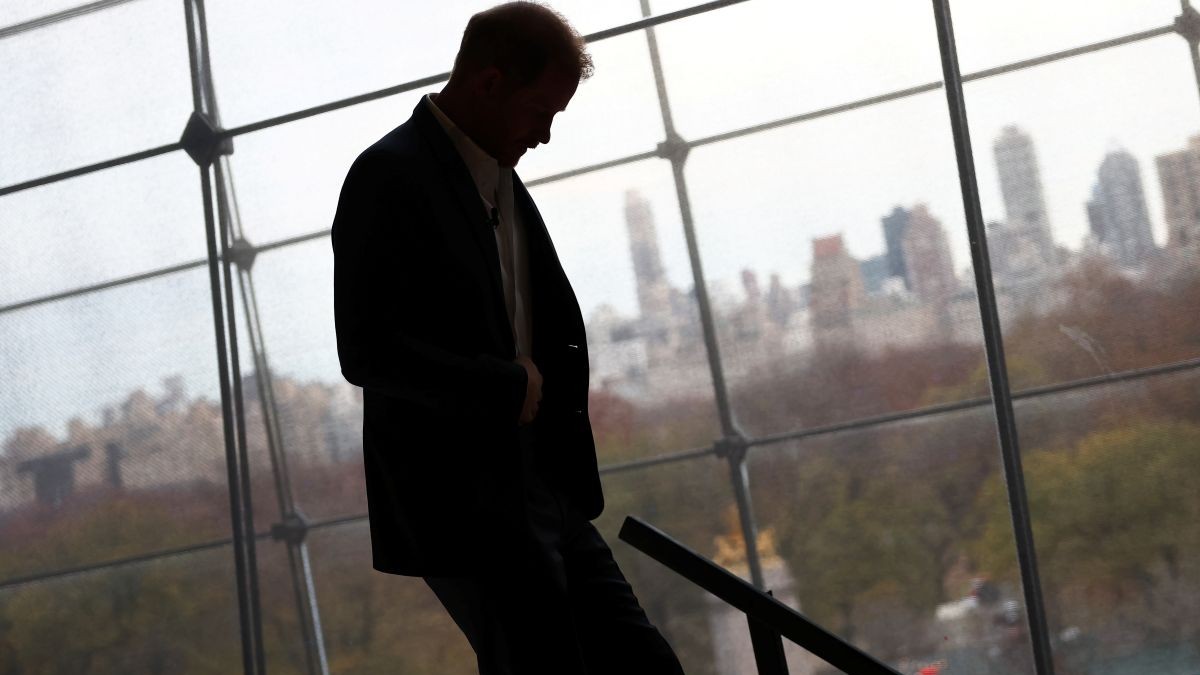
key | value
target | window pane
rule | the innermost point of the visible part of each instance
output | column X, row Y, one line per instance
column 693, row 502
column 613, row 114
column 1058, row 123
column 877, row 534
column 111, row 411
column 288, row 178
column 373, row 622
column 842, row 289
column 320, row 414
column 619, row 238
column 990, row 34
column 101, row 226
column 1116, row 521
column 104, row 84
column 759, row 61
column 1086, row 172
column 270, row 58
column 172, row 615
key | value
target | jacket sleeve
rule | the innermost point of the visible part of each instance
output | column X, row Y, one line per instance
column 379, row 345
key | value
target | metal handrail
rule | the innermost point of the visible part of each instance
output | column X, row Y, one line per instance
column 769, row 618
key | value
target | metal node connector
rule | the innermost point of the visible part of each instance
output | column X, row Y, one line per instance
column 242, row 253
column 674, row 148
column 202, row 141
column 293, row 529
column 1187, row 24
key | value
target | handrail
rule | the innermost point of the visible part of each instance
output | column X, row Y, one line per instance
column 763, row 611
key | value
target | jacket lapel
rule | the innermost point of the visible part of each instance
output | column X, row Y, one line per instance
column 470, row 205
column 555, row 308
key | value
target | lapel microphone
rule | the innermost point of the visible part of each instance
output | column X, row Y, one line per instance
column 494, row 218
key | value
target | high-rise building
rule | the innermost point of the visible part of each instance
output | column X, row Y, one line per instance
column 653, row 292
column 1014, row 257
column 1021, row 188
column 1117, row 211
column 894, row 225
column 836, row 285
column 875, row 273
column 927, row 256
column 750, row 319
column 781, row 302
column 1179, row 176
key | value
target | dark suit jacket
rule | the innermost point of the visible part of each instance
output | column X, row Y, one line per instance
column 422, row 328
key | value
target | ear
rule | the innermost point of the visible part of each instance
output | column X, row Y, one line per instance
column 490, row 84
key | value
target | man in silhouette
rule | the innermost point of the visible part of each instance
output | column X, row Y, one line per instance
column 455, row 317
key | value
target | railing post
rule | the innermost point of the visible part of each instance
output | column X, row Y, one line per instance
column 778, row 620
column 768, row 647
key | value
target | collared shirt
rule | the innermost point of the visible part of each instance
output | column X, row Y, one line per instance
column 494, row 183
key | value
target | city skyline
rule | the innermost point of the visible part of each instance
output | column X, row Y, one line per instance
column 1119, row 180
column 833, row 409
column 724, row 291
column 761, row 214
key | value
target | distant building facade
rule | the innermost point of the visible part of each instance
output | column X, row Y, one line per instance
column 1117, row 213
column 894, row 225
column 1024, row 246
column 653, row 291
column 927, row 257
column 837, row 290
column 160, row 442
column 1179, row 177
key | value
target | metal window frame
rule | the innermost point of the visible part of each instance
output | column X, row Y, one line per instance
column 734, row 446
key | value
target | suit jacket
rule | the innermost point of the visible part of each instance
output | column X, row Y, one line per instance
column 422, row 327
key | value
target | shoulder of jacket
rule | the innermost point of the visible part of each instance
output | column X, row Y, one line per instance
column 404, row 159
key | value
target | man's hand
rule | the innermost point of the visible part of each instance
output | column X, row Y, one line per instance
column 533, row 390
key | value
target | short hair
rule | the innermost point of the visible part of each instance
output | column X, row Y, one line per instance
column 521, row 39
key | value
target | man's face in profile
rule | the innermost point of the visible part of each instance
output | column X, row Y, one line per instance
column 523, row 118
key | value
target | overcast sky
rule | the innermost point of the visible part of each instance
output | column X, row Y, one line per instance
column 116, row 81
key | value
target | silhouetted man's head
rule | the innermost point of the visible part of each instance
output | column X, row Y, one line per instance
column 519, row 64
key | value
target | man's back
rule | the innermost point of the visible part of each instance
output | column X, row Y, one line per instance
column 480, row 462
column 421, row 328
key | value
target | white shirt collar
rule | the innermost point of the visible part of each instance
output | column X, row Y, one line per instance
column 484, row 168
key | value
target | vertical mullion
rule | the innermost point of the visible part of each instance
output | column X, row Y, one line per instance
column 993, row 344
column 294, row 526
column 704, row 305
column 1187, row 25
column 248, row 617
column 733, row 443
column 239, row 411
column 245, row 615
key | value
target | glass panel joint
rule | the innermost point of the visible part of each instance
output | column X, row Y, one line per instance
column 1187, row 24
column 292, row 529
column 732, row 448
column 202, row 140
column 674, row 148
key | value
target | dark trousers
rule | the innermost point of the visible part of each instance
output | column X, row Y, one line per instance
column 556, row 602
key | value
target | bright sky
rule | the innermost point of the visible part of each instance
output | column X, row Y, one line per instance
column 117, row 81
